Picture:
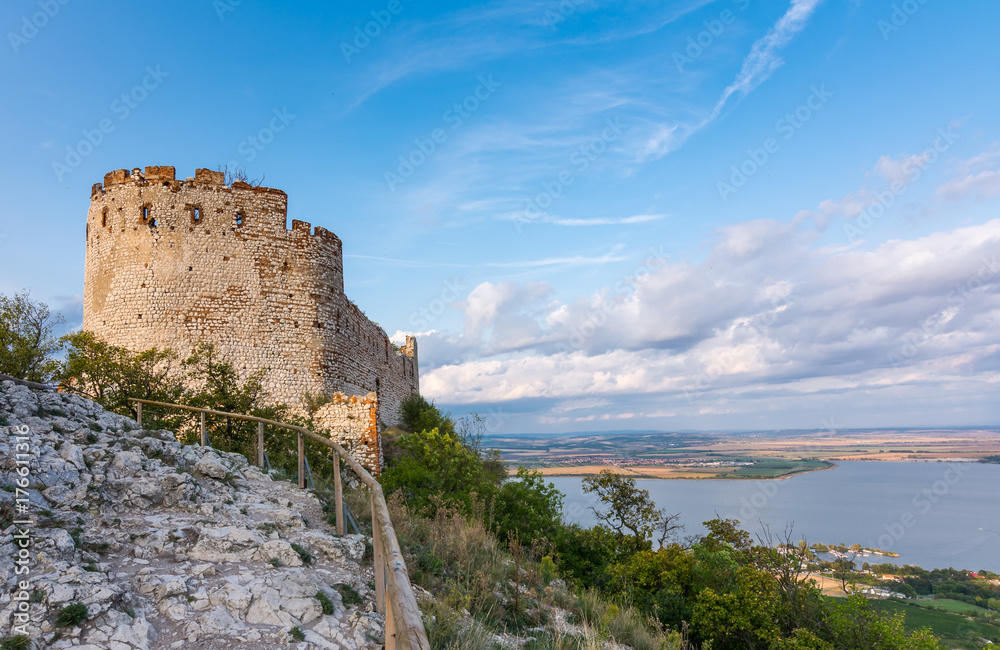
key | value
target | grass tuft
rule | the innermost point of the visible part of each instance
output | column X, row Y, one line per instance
column 306, row 556
column 325, row 602
column 71, row 615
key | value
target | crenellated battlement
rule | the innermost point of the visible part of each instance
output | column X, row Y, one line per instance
column 174, row 262
column 241, row 197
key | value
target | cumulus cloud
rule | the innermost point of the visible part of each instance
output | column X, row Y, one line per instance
column 764, row 314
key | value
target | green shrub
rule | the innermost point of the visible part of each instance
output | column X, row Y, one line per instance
column 297, row 634
column 325, row 602
column 527, row 505
column 436, row 463
column 71, row 615
column 306, row 556
column 348, row 595
column 20, row 642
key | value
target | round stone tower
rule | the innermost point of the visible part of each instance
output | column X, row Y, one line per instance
column 172, row 262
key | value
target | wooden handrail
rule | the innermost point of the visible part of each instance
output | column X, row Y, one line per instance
column 29, row 384
column 404, row 627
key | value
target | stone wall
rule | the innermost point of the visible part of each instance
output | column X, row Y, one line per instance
column 173, row 262
column 352, row 421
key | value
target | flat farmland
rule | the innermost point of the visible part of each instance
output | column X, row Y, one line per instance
column 735, row 455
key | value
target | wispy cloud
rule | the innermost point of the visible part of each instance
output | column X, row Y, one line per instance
column 621, row 221
column 758, row 66
column 545, row 218
column 978, row 177
column 764, row 57
column 492, row 31
column 575, row 260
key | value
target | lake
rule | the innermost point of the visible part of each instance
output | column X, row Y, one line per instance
column 934, row 514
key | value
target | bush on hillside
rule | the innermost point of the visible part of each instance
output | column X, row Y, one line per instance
column 27, row 340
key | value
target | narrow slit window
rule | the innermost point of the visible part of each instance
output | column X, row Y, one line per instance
column 196, row 214
column 104, row 218
column 240, row 220
column 145, row 213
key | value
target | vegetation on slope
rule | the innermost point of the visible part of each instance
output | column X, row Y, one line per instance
column 496, row 547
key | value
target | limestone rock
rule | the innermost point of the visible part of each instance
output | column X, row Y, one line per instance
column 167, row 557
column 211, row 465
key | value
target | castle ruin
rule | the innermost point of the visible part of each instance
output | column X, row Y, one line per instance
column 171, row 263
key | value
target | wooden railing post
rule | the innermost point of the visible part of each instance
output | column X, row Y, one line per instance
column 338, row 494
column 138, row 413
column 302, row 461
column 379, row 560
column 204, row 432
column 390, row 628
column 260, row 445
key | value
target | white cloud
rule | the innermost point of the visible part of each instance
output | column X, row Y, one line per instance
column 758, row 66
column 764, row 315
column 982, row 185
column 764, row 57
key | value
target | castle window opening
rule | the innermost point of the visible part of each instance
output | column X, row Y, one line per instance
column 196, row 214
column 240, row 219
column 145, row 213
column 104, row 218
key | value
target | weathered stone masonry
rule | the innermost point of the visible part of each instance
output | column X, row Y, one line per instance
column 173, row 262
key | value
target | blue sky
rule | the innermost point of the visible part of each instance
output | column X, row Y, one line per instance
column 594, row 215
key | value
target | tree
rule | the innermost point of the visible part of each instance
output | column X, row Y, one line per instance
column 854, row 625
column 417, row 414
column 742, row 617
column 436, row 464
column 660, row 582
column 843, row 571
column 529, row 505
column 631, row 512
column 110, row 375
column 27, row 342
column 215, row 384
column 313, row 402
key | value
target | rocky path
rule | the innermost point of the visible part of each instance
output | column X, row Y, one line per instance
column 167, row 546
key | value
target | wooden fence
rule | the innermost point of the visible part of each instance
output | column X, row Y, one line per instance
column 394, row 597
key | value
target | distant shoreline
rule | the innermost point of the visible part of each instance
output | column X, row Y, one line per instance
column 834, row 464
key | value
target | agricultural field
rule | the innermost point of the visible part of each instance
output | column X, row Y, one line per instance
column 955, row 630
column 735, row 455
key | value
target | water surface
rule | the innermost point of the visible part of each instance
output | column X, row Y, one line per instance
column 935, row 515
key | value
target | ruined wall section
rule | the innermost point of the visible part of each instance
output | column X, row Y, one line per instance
column 170, row 263
column 352, row 421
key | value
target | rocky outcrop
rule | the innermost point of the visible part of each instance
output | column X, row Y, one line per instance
column 167, row 546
